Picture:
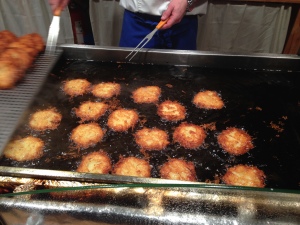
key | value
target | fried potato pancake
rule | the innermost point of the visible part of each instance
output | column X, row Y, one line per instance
column 24, row 149
column 87, row 135
column 243, row 175
column 121, row 120
column 151, row 139
column 235, row 141
column 6, row 37
column 9, row 74
column 48, row 119
column 106, row 90
column 88, row 110
column 147, row 94
column 171, row 111
column 189, row 135
column 76, row 87
column 20, row 58
column 132, row 166
column 95, row 162
column 24, row 47
column 208, row 100
column 19, row 54
column 178, row 169
column 33, row 40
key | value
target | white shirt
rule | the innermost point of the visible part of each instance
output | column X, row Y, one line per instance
column 156, row 7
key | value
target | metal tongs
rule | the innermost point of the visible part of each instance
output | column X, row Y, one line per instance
column 53, row 31
column 145, row 40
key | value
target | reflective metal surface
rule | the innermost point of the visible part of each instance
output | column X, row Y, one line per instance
column 149, row 206
column 272, row 62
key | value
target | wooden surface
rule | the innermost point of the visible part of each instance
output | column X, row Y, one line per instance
column 293, row 40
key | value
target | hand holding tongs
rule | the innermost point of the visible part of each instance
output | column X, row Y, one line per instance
column 146, row 40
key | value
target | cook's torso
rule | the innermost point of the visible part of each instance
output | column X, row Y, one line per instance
column 156, row 7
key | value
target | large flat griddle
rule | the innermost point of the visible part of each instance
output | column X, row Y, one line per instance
column 261, row 94
column 259, row 98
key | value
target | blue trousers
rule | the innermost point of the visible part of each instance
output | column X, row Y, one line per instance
column 180, row 36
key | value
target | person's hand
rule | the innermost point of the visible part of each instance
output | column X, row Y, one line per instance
column 175, row 12
column 54, row 4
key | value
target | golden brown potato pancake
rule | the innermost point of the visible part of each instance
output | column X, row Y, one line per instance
column 91, row 111
column 87, row 135
column 132, row 166
column 6, row 37
column 151, row 139
column 9, row 74
column 24, row 149
column 48, row 119
column 33, row 40
column 171, row 111
column 20, row 58
column 243, row 175
column 189, row 135
column 24, row 47
column 235, row 141
column 147, row 94
column 121, row 120
column 208, row 100
column 95, row 162
column 178, row 169
column 16, row 56
column 106, row 89
column 76, row 87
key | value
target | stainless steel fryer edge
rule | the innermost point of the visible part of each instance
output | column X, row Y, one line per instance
column 223, row 60
column 159, row 206
column 82, row 177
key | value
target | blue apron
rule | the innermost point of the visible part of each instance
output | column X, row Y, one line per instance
column 180, row 36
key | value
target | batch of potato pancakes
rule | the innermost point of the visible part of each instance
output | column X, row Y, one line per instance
column 17, row 56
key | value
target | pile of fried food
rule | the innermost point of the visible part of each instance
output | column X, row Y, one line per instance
column 17, row 55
